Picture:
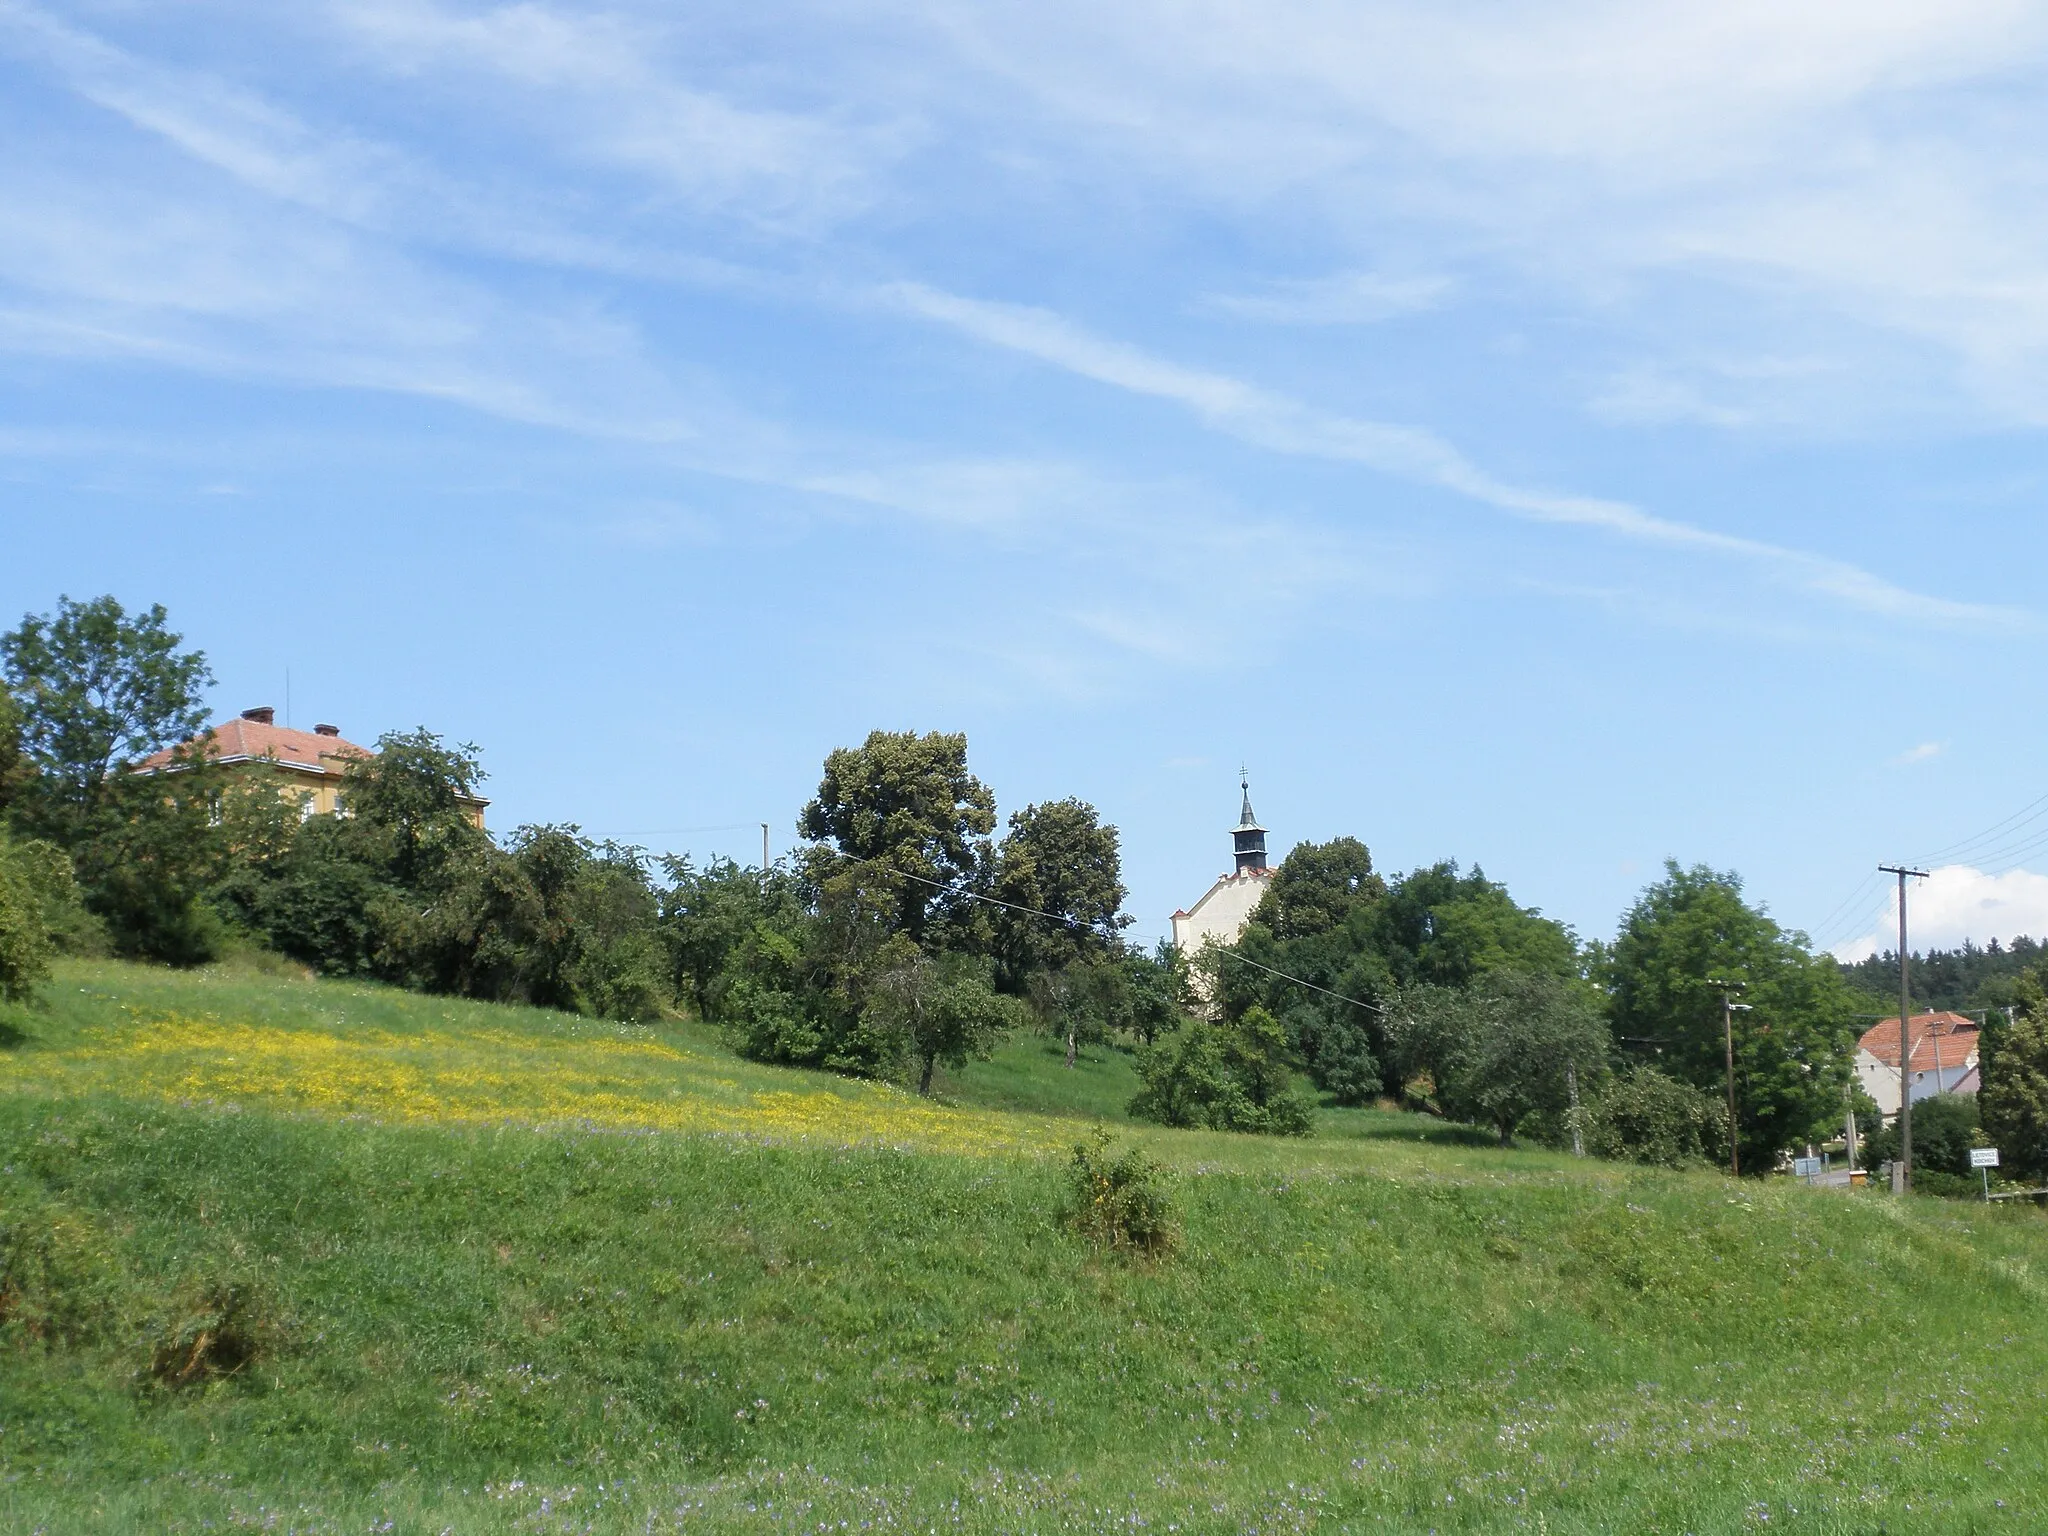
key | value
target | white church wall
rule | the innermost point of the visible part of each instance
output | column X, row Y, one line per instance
column 1221, row 913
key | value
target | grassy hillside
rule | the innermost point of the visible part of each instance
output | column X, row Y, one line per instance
column 508, row 1270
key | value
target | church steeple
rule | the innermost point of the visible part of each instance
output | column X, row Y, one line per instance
column 1248, row 835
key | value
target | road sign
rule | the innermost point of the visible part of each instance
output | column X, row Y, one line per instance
column 1983, row 1157
column 1805, row 1167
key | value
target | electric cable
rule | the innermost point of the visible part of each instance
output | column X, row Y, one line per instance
column 1075, row 922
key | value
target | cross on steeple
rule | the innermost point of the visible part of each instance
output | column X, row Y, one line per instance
column 1248, row 836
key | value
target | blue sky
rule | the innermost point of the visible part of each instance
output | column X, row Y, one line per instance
column 1554, row 437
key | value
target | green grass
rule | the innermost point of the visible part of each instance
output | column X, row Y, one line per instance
column 492, row 1324
column 1029, row 1072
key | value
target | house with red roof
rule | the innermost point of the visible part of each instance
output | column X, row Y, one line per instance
column 304, row 765
column 1942, row 1059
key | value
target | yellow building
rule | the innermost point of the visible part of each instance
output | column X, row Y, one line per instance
column 304, row 765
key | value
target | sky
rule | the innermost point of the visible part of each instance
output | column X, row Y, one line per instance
column 1555, row 437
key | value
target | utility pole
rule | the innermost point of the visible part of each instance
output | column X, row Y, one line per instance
column 1729, row 1008
column 764, row 850
column 1902, row 1170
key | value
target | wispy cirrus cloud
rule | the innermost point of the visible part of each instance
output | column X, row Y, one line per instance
column 609, row 99
column 1282, row 425
column 1348, row 298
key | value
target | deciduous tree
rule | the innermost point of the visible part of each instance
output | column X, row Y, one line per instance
column 910, row 821
column 1059, row 859
column 96, row 689
column 941, row 1010
column 1687, row 935
column 1507, row 1047
column 2014, row 1101
column 1316, row 887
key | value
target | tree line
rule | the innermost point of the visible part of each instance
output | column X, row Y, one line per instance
column 1967, row 978
column 914, row 930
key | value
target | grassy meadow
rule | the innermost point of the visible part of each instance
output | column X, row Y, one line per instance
column 483, row 1269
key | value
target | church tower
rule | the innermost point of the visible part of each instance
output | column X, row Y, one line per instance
column 1228, row 904
column 1249, row 836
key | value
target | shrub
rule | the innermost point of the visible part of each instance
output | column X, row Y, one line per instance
column 1642, row 1116
column 212, row 1330
column 24, row 930
column 1945, row 1127
column 1121, row 1203
column 1223, row 1077
column 58, row 1284
column 1337, row 1050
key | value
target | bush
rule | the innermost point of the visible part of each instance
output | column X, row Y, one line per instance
column 24, row 930
column 1121, row 1203
column 58, row 1285
column 1223, row 1077
column 1642, row 1116
column 1337, row 1050
column 1945, row 1127
column 211, row 1330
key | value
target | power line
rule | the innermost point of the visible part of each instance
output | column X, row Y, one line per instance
column 1354, row 1002
column 1827, row 927
column 1075, row 922
column 2015, row 854
column 2019, row 818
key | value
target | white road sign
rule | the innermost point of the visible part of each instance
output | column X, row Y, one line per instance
column 1807, row 1167
column 1983, row 1157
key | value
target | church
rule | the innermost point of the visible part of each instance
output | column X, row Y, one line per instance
column 1227, row 905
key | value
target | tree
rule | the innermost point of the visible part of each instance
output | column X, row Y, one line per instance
column 1508, row 1047
column 151, row 851
column 914, row 822
column 1642, row 1116
column 1229, row 1076
column 706, row 914
column 1080, row 1002
column 408, row 805
column 320, row 902
column 1058, row 859
column 1154, row 984
column 2014, row 1066
column 1684, row 937
column 940, row 1010
column 16, row 771
column 618, row 970
column 95, row 690
column 1316, row 886
column 1362, row 939
column 1945, row 1128
column 31, row 877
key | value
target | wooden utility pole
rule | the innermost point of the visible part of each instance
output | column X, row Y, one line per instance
column 1902, row 1169
column 764, row 849
column 1729, row 1008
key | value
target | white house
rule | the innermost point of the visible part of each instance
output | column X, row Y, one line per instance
column 1944, row 1059
column 1227, row 905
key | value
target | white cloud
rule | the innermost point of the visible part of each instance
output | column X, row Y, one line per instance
column 604, row 94
column 1282, row 425
column 1878, row 164
column 1957, row 902
column 1348, row 298
column 1919, row 754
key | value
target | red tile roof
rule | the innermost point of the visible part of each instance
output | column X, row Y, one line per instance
column 1949, row 1035
column 240, row 738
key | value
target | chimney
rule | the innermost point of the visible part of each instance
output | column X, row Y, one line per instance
column 326, row 730
column 264, row 715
